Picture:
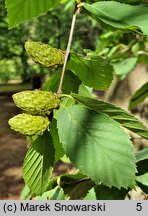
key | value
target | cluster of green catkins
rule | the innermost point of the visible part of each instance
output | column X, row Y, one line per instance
column 37, row 106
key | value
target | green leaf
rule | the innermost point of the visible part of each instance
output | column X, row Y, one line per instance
column 142, row 182
column 52, row 183
column 25, row 193
column 91, row 195
column 86, row 91
column 132, row 2
column 143, row 179
column 38, row 162
column 76, row 186
column 124, row 118
column 55, row 194
column 96, row 73
column 121, row 16
column 102, row 192
column 19, row 10
column 124, row 67
column 105, row 193
column 67, row 179
column 67, row 101
column 142, row 155
column 59, row 151
column 97, row 146
column 142, row 161
column 139, row 96
column 71, row 82
column 143, row 187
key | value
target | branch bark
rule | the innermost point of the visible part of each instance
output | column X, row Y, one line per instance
column 68, row 49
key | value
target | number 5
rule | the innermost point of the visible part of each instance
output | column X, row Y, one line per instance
column 139, row 207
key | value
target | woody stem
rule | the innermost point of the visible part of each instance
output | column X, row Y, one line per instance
column 68, row 49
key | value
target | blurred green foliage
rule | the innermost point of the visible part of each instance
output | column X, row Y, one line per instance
column 51, row 28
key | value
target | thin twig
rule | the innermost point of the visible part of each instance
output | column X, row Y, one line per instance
column 68, row 50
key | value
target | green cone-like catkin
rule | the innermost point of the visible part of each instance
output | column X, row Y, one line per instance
column 36, row 102
column 27, row 124
column 45, row 54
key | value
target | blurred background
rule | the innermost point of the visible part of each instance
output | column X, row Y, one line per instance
column 127, row 52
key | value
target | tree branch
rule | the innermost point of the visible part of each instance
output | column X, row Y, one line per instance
column 68, row 49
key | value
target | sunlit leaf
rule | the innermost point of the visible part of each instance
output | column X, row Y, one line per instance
column 118, row 15
column 25, row 193
column 19, row 10
column 96, row 73
column 86, row 91
column 91, row 195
